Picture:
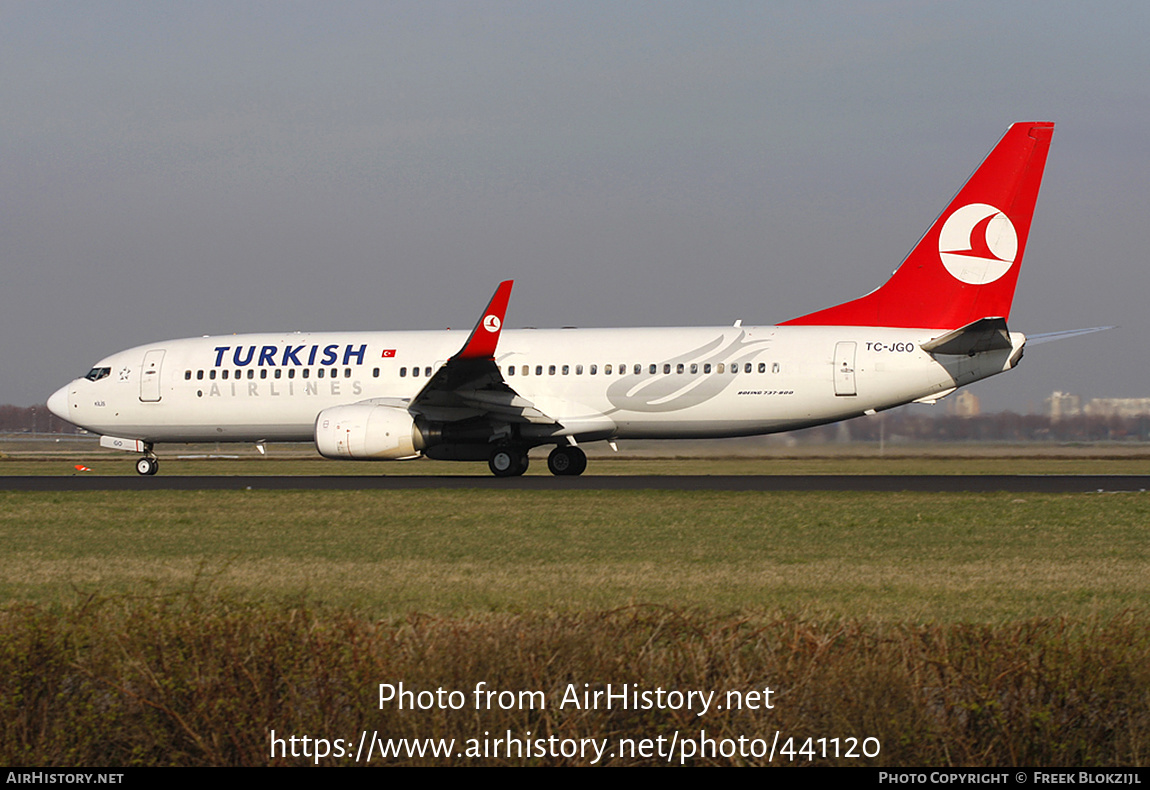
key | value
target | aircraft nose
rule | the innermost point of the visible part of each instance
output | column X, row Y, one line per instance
column 58, row 404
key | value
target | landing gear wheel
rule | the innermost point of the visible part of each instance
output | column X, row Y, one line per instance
column 567, row 461
column 507, row 461
column 147, row 466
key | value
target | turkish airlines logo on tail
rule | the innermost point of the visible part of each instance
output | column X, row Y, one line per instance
column 491, row 323
column 978, row 244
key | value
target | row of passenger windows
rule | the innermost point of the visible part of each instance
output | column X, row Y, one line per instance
column 653, row 369
column 511, row 370
column 277, row 373
column 608, row 370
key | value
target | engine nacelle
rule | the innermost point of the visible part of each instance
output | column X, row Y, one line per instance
column 367, row 431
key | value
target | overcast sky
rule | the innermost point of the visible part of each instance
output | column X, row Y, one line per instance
column 174, row 169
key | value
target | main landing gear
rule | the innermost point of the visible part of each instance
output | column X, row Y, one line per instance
column 567, row 460
column 508, row 461
column 147, row 465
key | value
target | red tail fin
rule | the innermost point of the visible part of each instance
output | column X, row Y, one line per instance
column 966, row 266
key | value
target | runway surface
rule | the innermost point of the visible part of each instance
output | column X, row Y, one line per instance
column 924, row 483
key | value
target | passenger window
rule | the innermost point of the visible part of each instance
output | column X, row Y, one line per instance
column 291, row 373
column 510, row 370
column 638, row 369
column 224, row 374
column 251, row 374
column 263, row 373
column 606, row 370
column 199, row 375
column 578, row 370
column 375, row 373
column 775, row 368
column 212, row 375
column 279, row 373
column 319, row 373
column 707, row 367
column 747, row 368
column 720, row 368
column 551, row 370
column 566, row 369
column 694, row 368
column 347, row 373
column 653, row 370
column 306, row 372
column 666, row 367
column 415, row 372
column 593, row 369
column 762, row 367
column 538, row 370
column 525, row 370
column 427, row 372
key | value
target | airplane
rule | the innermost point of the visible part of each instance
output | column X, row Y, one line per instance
column 938, row 323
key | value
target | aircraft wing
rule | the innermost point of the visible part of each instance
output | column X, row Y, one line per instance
column 470, row 385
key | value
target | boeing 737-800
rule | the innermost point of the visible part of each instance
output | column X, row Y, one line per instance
column 938, row 323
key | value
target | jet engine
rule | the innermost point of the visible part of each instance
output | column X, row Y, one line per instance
column 367, row 431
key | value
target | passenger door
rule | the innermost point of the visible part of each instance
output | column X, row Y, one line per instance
column 150, row 376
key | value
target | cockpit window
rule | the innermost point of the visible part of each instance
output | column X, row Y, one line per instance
column 95, row 374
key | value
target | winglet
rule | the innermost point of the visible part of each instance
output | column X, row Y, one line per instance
column 485, row 336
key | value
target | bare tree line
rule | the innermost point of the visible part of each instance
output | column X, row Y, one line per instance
column 33, row 419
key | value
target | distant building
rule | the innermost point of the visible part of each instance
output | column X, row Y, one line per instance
column 1063, row 404
column 963, row 404
column 1117, row 407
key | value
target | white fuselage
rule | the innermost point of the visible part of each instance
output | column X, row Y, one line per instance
column 661, row 383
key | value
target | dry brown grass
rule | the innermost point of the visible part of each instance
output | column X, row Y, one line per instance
column 194, row 680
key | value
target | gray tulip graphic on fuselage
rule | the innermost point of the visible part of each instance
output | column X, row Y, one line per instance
column 672, row 393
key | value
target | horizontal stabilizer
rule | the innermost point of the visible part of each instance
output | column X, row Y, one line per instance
column 985, row 334
column 1047, row 337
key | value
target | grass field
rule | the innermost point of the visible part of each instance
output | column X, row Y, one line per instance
column 903, row 556
column 958, row 629
column 755, row 456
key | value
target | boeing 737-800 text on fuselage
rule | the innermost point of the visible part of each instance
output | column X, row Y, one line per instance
column 938, row 323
